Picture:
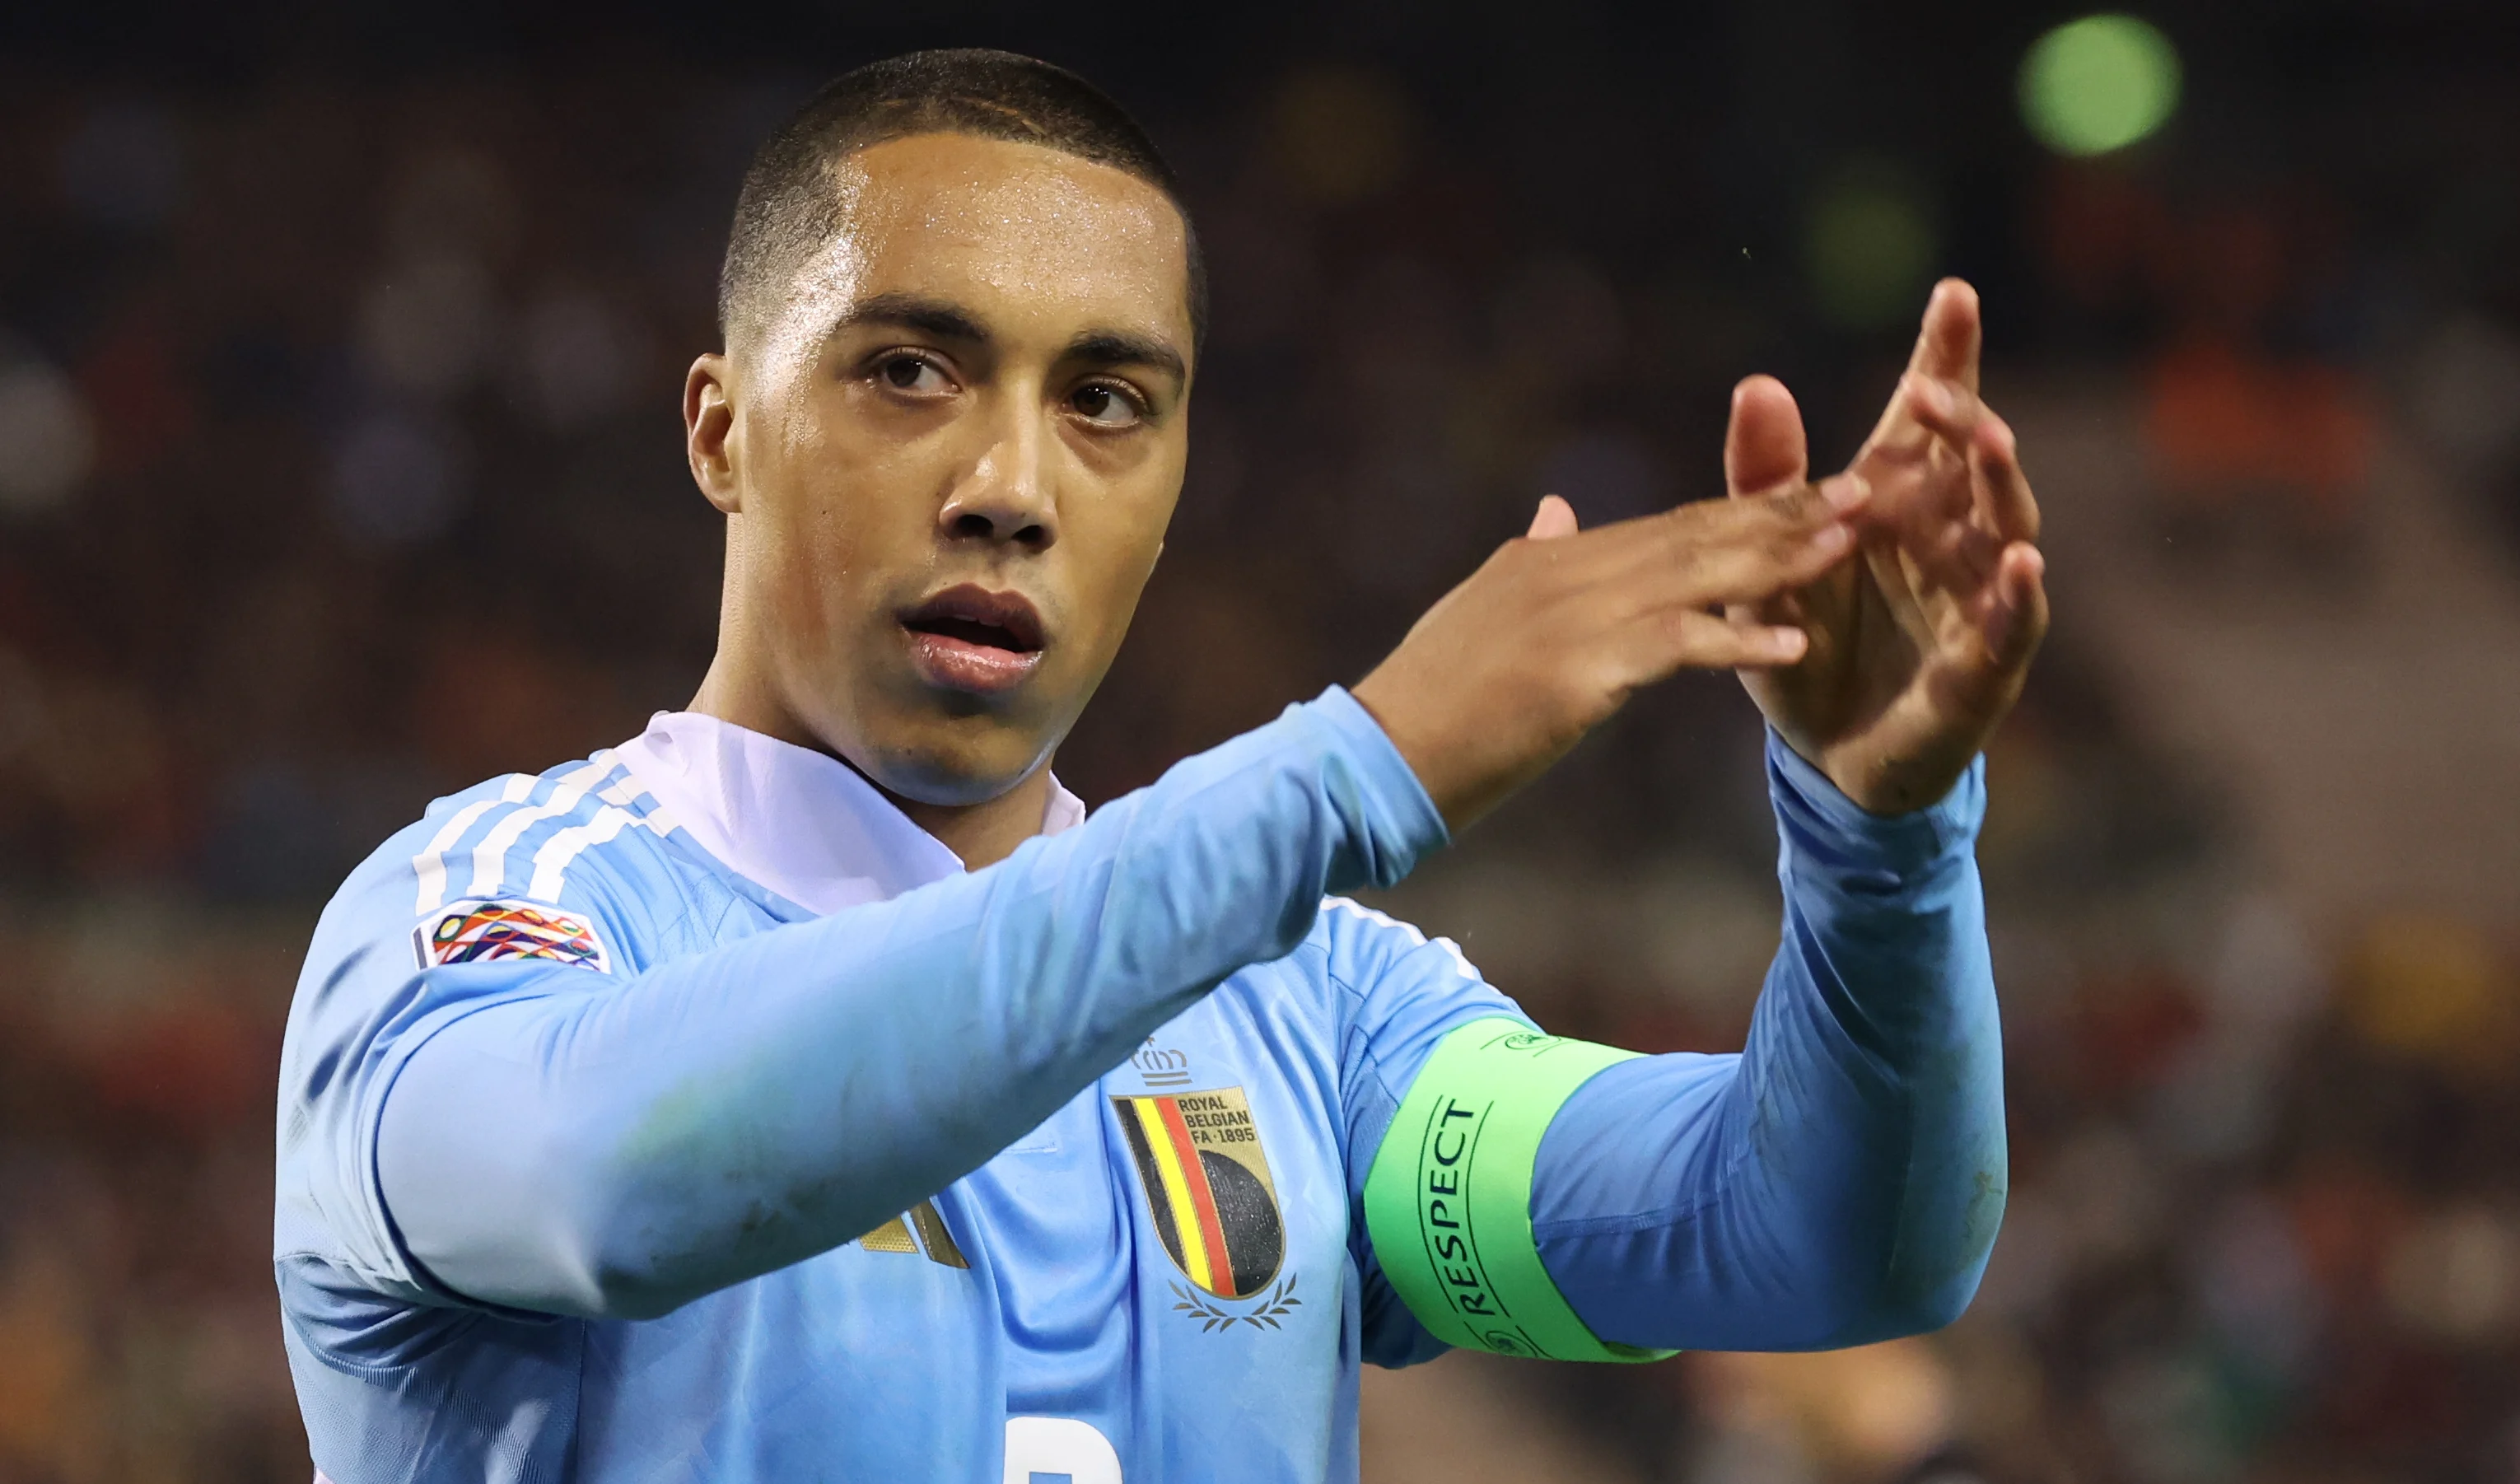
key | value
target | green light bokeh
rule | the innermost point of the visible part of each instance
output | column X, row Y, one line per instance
column 2099, row 84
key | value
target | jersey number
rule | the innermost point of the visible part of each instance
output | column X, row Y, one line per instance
column 1064, row 1448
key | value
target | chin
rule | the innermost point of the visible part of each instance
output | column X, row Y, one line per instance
column 958, row 770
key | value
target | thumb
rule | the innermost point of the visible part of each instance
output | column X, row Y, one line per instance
column 1554, row 519
column 1763, row 445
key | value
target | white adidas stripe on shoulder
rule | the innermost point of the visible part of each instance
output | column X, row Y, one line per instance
column 620, row 799
column 658, row 820
column 1417, row 939
column 561, row 850
column 490, row 857
column 431, row 864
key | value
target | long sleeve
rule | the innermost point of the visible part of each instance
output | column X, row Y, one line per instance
column 1841, row 1179
column 580, row 1145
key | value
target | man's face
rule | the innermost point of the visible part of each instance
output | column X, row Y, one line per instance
column 949, row 459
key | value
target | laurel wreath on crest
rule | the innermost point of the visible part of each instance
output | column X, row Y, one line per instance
column 1274, row 1304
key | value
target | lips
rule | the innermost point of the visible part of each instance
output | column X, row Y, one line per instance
column 969, row 639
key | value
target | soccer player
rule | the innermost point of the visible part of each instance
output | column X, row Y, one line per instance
column 810, row 1089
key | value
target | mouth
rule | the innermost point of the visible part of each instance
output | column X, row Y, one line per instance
column 969, row 639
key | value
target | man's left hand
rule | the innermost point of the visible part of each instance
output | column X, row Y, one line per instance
column 1920, row 642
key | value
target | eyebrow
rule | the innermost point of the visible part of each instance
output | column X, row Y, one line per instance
column 1119, row 347
column 941, row 318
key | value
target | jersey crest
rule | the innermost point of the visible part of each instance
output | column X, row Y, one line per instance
column 479, row 933
column 1207, row 1186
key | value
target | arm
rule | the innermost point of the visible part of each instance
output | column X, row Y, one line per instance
column 595, row 1146
column 1851, row 1168
column 1841, row 1180
column 1838, row 1182
column 537, row 1140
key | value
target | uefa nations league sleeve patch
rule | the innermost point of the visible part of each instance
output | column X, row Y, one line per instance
column 481, row 932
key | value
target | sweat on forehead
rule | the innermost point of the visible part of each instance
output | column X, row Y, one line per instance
column 788, row 209
column 1009, row 241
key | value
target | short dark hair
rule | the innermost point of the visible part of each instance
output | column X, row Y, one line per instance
column 787, row 209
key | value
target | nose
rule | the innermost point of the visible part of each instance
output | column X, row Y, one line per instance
column 1006, row 496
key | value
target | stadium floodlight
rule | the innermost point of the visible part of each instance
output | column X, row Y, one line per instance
column 2099, row 84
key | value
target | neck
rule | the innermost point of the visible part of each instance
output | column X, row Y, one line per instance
column 981, row 834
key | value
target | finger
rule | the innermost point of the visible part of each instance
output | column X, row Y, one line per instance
column 1784, row 514
column 1782, row 517
column 1973, row 463
column 1948, row 341
column 1554, row 519
column 1945, row 350
column 1939, row 405
column 1949, row 475
column 1749, row 548
column 1959, row 558
column 1919, row 459
column 1793, row 506
column 2009, row 626
column 2018, row 619
column 1763, row 444
column 1947, row 411
column 1682, row 639
column 1994, row 458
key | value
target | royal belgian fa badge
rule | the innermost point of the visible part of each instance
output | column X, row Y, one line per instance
column 479, row 932
column 1207, row 1186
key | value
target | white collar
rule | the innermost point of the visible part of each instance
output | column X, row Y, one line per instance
column 795, row 821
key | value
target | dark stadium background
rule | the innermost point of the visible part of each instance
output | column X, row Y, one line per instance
column 339, row 468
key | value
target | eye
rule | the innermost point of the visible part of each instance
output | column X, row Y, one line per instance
column 1106, row 406
column 913, row 374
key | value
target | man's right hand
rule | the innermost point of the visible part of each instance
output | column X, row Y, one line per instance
column 1549, row 638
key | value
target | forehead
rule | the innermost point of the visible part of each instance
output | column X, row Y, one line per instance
column 1034, row 239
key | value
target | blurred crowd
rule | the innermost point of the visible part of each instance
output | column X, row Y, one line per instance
column 339, row 468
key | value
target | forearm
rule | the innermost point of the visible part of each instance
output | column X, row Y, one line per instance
column 1839, row 1182
column 625, row 1147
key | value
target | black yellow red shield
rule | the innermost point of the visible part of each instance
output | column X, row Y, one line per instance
column 1207, row 1186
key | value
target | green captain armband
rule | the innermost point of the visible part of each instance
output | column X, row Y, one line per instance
column 1447, row 1201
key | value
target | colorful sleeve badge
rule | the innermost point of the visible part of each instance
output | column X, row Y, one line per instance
column 479, row 933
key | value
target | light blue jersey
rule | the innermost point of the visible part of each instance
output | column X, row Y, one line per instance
column 686, row 1114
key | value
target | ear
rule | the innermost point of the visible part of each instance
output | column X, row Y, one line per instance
column 709, row 437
